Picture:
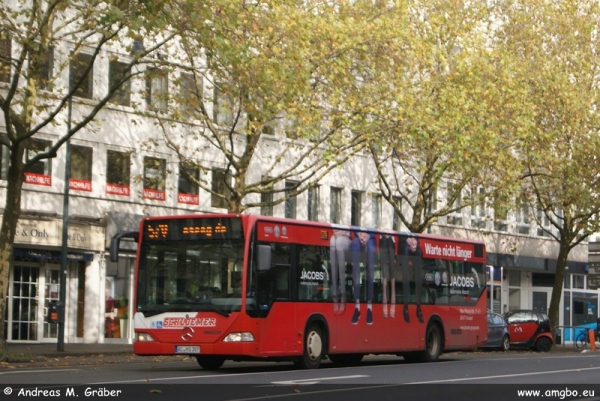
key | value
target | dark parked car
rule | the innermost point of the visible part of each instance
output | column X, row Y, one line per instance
column 498, row 335
column 529, row 328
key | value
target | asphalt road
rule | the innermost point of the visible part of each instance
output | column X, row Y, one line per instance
column 456, row 376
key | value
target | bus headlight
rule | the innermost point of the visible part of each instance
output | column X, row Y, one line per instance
column 144, row 337
column 238, row 337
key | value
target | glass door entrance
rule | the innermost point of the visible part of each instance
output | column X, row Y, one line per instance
column 24, row 319
column 29, row 304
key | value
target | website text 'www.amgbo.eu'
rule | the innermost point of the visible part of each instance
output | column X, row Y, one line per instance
column 559, row 394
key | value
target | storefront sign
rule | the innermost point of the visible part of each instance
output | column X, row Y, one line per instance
column 49, row 232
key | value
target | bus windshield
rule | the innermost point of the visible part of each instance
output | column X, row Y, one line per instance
column 190, row 276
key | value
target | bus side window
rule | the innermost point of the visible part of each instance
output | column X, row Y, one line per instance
column 313, row 273
column 281, row 274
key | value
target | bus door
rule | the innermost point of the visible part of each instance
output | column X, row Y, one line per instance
column 276, row 312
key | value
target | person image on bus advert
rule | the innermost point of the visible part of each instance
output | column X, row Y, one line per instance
column 412, row 260
column 363, row 250
column 339, row 245
column 388, row 264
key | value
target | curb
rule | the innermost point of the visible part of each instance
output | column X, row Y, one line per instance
column 25, row 359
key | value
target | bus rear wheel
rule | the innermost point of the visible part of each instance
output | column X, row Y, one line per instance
column 433, row 347
column 313, row 349
column 210, row 362
column 433, row 343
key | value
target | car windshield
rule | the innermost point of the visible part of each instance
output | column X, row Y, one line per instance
column 182, row 276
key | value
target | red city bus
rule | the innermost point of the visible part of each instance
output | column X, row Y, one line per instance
column 243, row 287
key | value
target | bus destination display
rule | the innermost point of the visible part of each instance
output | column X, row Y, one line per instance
column 192, row 229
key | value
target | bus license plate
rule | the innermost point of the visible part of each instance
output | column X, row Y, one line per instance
column 187, row 349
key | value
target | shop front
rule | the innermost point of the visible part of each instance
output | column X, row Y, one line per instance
column 34, row 281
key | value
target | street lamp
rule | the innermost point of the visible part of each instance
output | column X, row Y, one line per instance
column 65, row 229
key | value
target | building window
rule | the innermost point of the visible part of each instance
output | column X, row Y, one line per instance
column 47, row 72
column 290, row 202
column 455, row 217
column 335, row 206
column 157, row 89
column 81, row 78
column 514, row 278
column 433, row 201
column 578, row 281
column 118, row 174
column 396, row 221
column 5, row 57
column 522, row 216
column 190, row 93
column 356, row 208
column 478, row 208
column 117, row 73
column 189, row 175
column 313, row 203
column 500, row 213
column 80, row 173
column 220, row 181
column 222, row 108
column 40, row 173
column 266, row 207
column 4, row 162
column 376, row 211
column 155, row 178
column 544, row 228
column 118, row 308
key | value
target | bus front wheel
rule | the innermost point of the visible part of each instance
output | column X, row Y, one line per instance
column 210, row 362
column 313, row 349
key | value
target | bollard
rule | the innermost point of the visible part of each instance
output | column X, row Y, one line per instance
column 592, row 340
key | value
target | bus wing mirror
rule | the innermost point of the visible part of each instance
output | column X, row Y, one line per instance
column 264, row 257
column 115, row 243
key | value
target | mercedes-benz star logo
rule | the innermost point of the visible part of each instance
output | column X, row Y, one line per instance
column 187, row 333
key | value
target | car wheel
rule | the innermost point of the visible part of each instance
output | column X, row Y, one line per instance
column 505, row 344
column 543, row 344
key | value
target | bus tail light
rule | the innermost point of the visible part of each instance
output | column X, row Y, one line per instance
column 144, row 337
column 239, row 337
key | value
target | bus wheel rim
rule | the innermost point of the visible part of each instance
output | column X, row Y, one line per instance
column 314, row 346
column 432, row 342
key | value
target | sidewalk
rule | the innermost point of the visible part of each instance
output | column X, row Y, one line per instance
column 18, row 352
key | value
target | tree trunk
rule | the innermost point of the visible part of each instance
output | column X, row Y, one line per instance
column 557, row 289
column 8, row 228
